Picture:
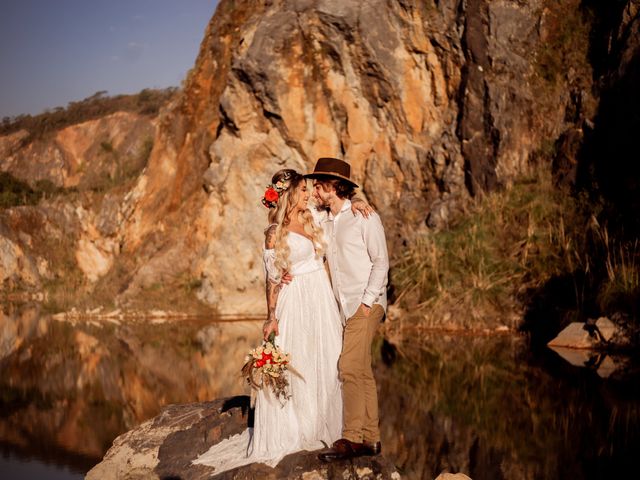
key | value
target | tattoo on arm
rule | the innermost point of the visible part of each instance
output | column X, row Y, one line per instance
column 272, row 289
column 270, row 237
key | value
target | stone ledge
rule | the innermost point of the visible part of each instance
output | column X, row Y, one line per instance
column 165, row 446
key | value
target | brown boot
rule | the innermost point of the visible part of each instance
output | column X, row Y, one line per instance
column 341, row 450
column 371, row 448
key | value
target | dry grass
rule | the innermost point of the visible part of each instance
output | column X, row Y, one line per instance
column 506, row 242
column 619, row 288
column 481, row 271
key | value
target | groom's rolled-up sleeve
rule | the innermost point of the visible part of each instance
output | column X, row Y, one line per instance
column 373, row 235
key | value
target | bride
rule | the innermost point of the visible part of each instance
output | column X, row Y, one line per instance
column 304, row 315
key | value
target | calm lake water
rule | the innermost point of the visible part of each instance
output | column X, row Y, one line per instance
column 484, row 406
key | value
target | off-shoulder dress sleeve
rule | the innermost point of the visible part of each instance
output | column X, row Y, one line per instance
column 271, row 271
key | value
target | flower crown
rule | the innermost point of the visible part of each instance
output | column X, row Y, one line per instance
column 273, row 191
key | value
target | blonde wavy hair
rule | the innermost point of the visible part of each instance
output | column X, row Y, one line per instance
column 280, row 216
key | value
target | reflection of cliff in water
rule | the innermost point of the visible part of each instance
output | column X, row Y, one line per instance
column 482, row 406
column 67, row 391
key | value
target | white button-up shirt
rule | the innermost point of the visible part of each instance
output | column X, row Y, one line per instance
column 358, row 259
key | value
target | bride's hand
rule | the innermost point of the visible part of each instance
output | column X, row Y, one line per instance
column 359, row 205
column 286, row 278
column 268, row 327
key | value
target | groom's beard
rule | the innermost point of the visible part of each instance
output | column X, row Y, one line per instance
column 318, row 204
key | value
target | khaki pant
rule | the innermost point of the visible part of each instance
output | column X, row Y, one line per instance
column 360, row 397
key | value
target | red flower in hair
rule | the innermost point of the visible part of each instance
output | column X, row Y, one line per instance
column 271, row 195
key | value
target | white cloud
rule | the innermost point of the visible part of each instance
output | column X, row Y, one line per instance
column 134, row 51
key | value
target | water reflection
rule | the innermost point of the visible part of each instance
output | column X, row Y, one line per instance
column 483, row 406
column 67, row 390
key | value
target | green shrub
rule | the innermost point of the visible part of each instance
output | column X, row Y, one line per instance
column 147, row 102
column 106, row 146
column 568, row 26
column 507, row 241
column 14, row 192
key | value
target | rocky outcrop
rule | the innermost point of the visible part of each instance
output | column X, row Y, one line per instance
column 588, row 344
column 26, row 238
column 92, row 154
column 69, row 232
column 54, row 240
column 165, row 446
column 15, row 265
column 430, row 102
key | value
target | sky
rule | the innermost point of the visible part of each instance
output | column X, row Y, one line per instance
column 56, row 51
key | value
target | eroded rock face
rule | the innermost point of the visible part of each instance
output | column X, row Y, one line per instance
column 88, row 154
column 430, row 102
column 25, row 234
column 67, row 231
column 165, row 446
column 52, row 240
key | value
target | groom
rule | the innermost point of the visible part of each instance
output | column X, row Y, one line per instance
column 358, row 263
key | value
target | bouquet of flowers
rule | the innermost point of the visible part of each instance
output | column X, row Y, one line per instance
column 265, row 366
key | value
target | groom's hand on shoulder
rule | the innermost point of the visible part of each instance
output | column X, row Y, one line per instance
column 358, row 205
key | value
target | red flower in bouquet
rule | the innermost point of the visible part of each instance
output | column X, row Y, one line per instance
column 265, row 366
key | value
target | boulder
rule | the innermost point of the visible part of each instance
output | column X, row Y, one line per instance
column 581, row 345
column 592, row 334
column 606, row 328
column 574, row 336
column 165, row 446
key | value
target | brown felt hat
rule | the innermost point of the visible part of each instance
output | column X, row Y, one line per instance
column 332, row 168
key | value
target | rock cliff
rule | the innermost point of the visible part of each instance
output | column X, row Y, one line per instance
column 428, row 102
column 90, row 154
column 431, row 102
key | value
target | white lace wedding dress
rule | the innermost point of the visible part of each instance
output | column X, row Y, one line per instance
column 311, row 331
